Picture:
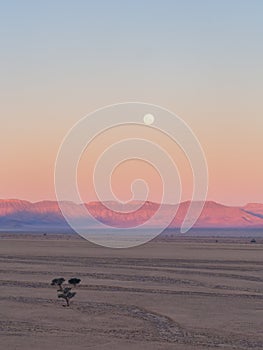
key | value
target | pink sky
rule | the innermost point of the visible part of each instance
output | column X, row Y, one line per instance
column 235, row 172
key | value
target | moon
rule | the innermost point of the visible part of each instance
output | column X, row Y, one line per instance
column 148, row 119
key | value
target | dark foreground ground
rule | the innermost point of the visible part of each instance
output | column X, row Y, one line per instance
column 179, row 294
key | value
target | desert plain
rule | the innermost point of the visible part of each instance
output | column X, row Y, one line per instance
column 183, row 293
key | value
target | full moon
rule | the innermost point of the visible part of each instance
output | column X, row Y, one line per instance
column 148, row 119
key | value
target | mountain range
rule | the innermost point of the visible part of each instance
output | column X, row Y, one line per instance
column 21, row 215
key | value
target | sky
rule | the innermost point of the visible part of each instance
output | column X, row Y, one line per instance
column 203, row 60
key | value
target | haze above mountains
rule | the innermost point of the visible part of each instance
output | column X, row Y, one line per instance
column 20, row 215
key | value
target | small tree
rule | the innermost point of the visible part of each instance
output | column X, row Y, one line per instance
column 58, row 282
column 65, row 292
column 74, row 281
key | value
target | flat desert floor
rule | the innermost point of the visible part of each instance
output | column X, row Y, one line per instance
column 181, row 294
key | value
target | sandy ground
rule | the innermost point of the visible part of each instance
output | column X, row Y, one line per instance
column 181, row 294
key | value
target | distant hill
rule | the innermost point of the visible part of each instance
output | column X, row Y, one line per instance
column 23, row 215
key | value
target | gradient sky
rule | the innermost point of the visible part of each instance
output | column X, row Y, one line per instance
column 202, row 59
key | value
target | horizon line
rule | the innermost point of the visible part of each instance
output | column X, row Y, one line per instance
column 126, row 203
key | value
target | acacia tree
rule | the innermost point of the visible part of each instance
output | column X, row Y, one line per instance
column 65, row 292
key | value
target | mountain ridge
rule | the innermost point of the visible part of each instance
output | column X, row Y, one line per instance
column 22, row 214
